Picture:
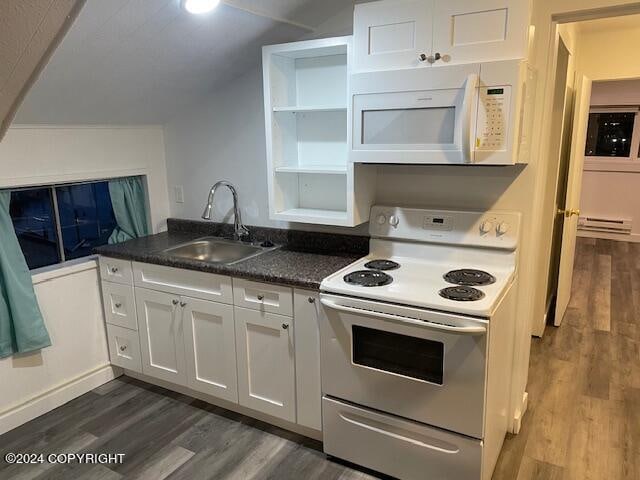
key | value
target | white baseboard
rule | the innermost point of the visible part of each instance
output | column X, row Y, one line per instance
column 621, row 237
column 517, row 419
column 55, row 397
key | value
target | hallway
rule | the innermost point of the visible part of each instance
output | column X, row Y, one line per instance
column 583, row 421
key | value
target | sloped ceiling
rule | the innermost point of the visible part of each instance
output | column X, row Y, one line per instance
column 141, row 61
column 30, row 30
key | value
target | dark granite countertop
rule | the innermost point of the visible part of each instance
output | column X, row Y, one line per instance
column 303, row 259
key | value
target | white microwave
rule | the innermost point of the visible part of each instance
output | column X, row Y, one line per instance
column 461, row 114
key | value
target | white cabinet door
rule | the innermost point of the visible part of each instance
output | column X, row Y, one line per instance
column 392, row 34
column 266, row 371
column 307, row 345
column 471, row 31
column 209, row 335
column 161, row 337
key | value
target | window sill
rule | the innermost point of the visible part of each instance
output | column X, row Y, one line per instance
column 608, row 164
column 71, row 267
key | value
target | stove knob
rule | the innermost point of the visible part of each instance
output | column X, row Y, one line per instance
column 381, row 219
column 486, row 226
column 393, row 221
column 502, row 228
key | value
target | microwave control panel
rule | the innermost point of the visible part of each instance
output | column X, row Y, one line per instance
column 493, row 118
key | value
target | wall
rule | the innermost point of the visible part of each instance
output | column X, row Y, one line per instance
column 610, row 193
column 69, row 296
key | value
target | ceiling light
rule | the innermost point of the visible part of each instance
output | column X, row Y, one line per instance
column 198, row 7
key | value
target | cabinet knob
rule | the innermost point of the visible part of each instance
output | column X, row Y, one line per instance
column 114, row 269
column 433, row 58
column 422, row 57
column 260, row 297
column 118, row 305
column 311, row 300
column 183, row 304
column 123, row 348
column 175, row 302
column 285, row 326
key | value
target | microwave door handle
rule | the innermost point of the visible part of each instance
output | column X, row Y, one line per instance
column 470, row 90
column 421, row 323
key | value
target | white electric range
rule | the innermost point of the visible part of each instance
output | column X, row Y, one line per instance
column 417, row 344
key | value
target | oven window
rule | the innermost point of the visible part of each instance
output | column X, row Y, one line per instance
column 409, row 126
column 409, row 356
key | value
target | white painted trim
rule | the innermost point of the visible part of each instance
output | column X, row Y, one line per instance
column 234, row 407
column 517, row 420
column 55, row 397
column 65, row 269
column 97, row 175
column 621, row 237
column 48, row 126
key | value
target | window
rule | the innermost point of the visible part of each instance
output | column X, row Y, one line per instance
column 62, row 222
column 613, row 139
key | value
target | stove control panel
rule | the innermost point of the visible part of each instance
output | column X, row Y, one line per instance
column 489, row 229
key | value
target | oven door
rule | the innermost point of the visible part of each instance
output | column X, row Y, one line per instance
column 423, row 365
column 423, row 126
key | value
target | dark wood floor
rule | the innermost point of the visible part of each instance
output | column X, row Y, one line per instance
column 583, row 421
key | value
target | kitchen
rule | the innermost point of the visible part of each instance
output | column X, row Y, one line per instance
column 298, row 158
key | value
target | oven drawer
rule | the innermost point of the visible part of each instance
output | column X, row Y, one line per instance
column 398, row 447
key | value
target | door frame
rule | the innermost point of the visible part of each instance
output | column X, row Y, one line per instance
column 549, row 50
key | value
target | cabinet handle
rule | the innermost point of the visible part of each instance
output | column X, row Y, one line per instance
column 260, row 297
column 311, row 300
column 183, row 304
column 118, row 305
column 175, row 302
column 114, row 269
column 285, row 326
column 123, row 348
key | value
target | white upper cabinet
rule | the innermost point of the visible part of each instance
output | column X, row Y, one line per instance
column 209, row 336
column 392, row 34
column 396, row 34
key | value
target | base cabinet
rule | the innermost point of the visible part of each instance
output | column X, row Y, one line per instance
column 161, row 335
column 266, row 363
column 209, row 340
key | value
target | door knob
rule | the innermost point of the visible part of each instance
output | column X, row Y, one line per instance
column 569, row 212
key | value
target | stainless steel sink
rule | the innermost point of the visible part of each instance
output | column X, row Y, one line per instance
column 216, row 250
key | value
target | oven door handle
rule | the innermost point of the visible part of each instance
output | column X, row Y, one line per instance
column 477, row 330
column 470, row 92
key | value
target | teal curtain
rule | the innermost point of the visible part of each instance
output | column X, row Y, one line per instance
column 22, row 327
column 130, row 208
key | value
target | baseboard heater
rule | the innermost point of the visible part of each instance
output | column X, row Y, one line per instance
column 604, row 224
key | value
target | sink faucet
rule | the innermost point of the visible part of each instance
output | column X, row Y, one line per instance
column 240, row 231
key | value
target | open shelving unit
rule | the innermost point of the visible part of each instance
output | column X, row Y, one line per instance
column 307, row 116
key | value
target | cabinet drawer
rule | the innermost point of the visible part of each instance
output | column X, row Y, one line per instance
column 206, row 286
column 114, row 270
column 124, row 348
column 263, row 297
column 377, row 441
column 119, row 305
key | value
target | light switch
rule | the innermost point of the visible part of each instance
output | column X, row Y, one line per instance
column 179, row 193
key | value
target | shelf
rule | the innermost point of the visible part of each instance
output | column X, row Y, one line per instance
column 312, row 215
column 315, row 169
column 311, row 108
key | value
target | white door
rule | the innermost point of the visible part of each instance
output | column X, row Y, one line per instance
column 161, row 338
column 266, row 371
column 479, row 30
column 307, row 341
column 572, row 204
column 210, row 348
column 392, row 34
